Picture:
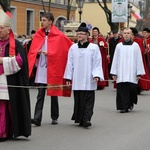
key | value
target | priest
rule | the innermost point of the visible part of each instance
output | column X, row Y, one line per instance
column 103, row 47
column 127, row 67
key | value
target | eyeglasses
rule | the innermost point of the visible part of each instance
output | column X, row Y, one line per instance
column 81, row 33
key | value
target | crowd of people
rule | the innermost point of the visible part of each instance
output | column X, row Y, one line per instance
column 53, row 63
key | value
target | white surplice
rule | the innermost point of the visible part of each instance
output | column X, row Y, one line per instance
column 127, row 63
column 83, row 65
column 41, row 73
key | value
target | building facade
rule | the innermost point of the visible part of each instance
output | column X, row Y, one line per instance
column 94, row 15
column 27, row 14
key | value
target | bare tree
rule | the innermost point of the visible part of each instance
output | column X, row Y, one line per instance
column 69, row 4
column 146, row 15
column 49, row 6
column 108, row 13
column 5, row 4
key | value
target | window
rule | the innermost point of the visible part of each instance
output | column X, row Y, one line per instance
column 29, row 21
column 13, row 22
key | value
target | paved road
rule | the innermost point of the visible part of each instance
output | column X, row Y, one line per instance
column 110, row 130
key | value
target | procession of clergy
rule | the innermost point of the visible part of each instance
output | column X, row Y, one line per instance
column 108, row 45
column 124, row 57
column 63, row 66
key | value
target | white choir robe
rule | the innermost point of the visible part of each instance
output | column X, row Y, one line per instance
column 83, row 65
column 41, row 63
column 127, row 63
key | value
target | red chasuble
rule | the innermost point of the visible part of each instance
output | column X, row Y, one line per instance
column 59, row 45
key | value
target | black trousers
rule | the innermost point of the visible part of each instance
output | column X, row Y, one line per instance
column 83, row 106
column 40, row 102
column 126, row 95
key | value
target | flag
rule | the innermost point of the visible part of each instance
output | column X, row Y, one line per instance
column 136, row 15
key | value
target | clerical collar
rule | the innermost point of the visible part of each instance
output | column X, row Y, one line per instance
column 47, row 32
column 130, row 42
column 84, row 45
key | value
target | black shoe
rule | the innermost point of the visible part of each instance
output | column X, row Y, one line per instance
column 10, row 136
column 81, row 124
column 123, row 111
column 87, row 124
column 3, row 139
column 131, row 107
column 37, row 123
column 54, row 122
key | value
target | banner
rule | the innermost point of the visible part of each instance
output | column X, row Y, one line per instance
column 119, row 10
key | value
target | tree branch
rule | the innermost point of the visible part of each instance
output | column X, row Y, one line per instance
column 43, row 5
column 108, row 15
column 49, row 5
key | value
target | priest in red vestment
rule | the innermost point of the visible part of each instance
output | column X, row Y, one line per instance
column 100, row 41
column 146, row 43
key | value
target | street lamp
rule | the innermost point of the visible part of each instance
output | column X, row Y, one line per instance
column 80, row 8
column 129, row 12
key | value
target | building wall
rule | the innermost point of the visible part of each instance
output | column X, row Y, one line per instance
column 94, row 15
column 21, row 16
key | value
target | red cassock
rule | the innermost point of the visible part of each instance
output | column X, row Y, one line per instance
column 146, row 44
column 58, row 48
column 143, row 84
column 103, row 49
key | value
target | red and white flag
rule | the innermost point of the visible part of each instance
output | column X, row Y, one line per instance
column 136, row 15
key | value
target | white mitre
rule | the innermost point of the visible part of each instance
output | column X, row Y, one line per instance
column 5, row 20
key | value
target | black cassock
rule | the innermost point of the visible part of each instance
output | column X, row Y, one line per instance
column 19, row 97
column 126, row 95
column 83, row 106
